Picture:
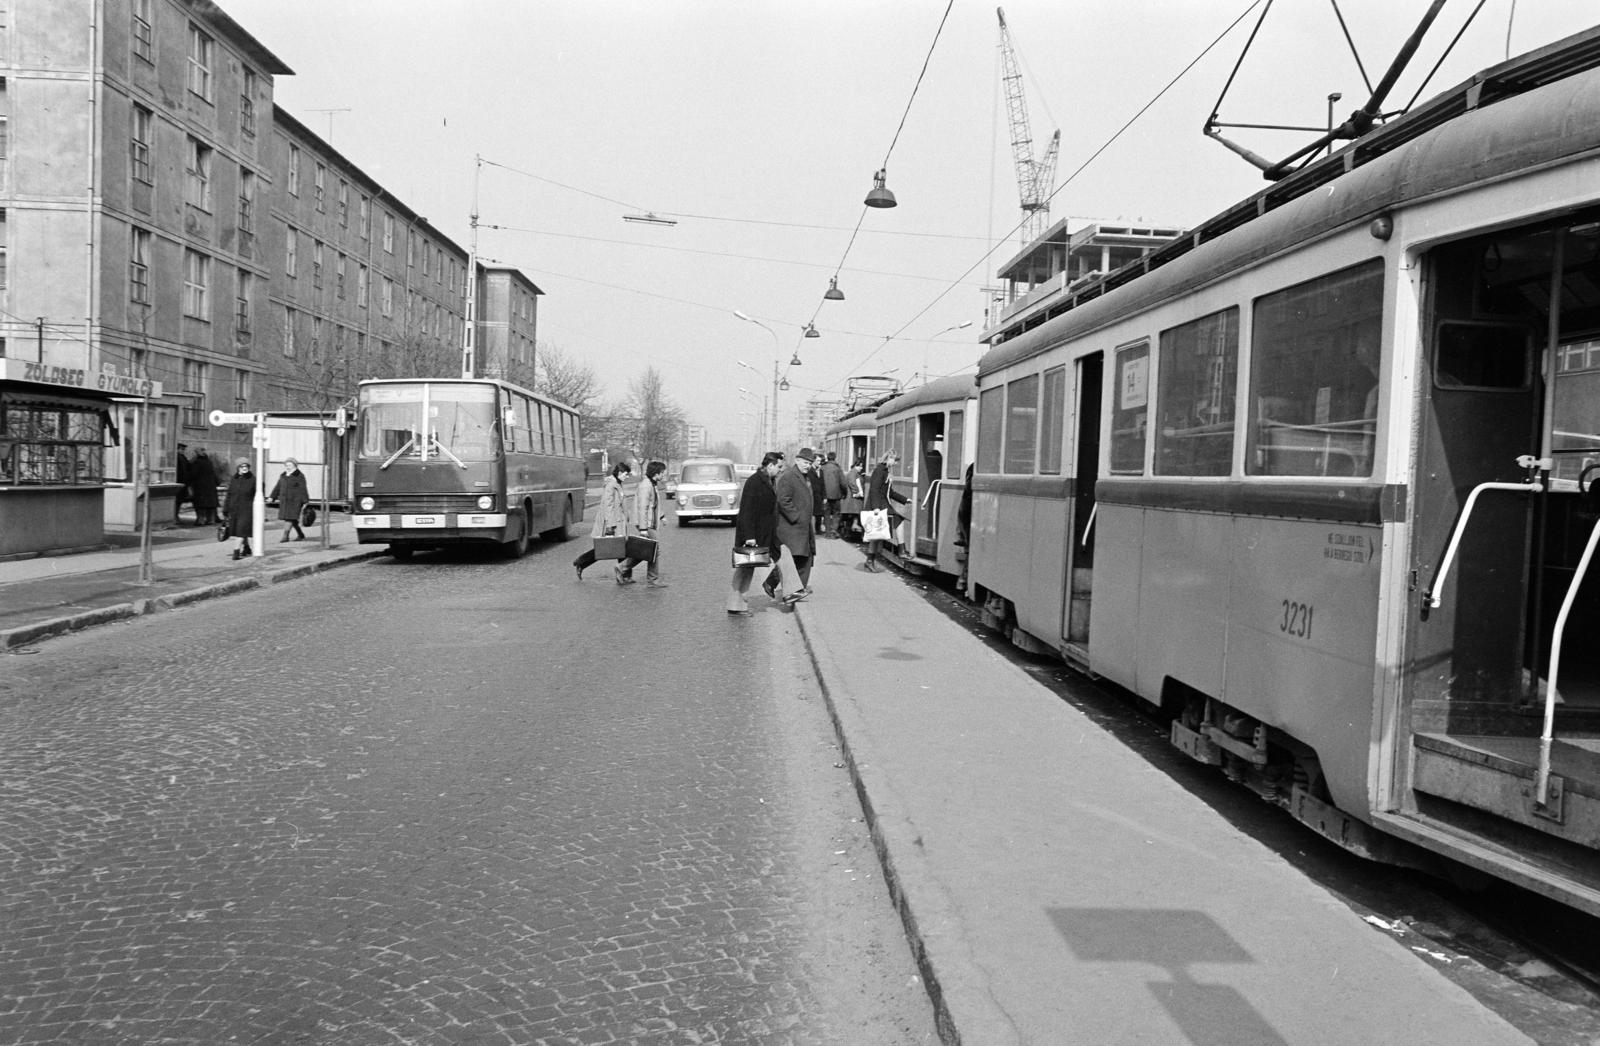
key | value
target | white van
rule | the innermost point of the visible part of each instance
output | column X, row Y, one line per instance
column 707, row 489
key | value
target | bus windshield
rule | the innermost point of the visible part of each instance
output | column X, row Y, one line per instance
column 424, row 420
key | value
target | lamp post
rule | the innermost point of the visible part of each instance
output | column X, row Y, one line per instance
column 772, row 431
column 761, row 419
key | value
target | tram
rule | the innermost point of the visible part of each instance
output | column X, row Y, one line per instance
column 1319, row 480
column 852, row 439
column 928, row 426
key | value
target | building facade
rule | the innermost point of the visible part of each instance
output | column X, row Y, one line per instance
column 173, row 243
column 508, row 324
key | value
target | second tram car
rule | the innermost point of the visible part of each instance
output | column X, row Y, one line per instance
column 928, row 426
column 1319, row 479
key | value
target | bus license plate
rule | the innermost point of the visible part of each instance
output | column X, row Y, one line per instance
column 423, row 521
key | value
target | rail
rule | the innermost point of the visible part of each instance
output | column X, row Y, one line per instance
column 1532, row 485
column 1542, row 797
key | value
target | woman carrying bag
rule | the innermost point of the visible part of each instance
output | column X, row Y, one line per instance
column 611, row 520
column 238, row 506
column 292, row 496
column 879, row 494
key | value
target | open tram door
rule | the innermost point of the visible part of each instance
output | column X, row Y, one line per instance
column 1505, row 508
column 1079, row 587
column 930, row 467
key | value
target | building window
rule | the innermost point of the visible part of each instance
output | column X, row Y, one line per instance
column 201, row 47
column 247, row 203
column 386, row 302
column 388, row 232
column 139, row 266
column 241, row 304
column 411, row 247
column 316, row 263
column 47, row 444
column 291, row 252
column 338, row 276
column 198, row 170
column 361, row 286
column 292, row 176
column 316, row 339
column 366, row 218
column 139, row 144
column 319, row 189
column 194, row 385
column 289, row 348
column 143, row 35
column 196, row 282
column 344, row 204
column 247, row 104
column 241, row 391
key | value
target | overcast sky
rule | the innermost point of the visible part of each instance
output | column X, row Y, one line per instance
column 758, row 126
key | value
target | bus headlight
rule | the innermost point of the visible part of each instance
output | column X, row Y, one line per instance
column 486, row 502
column 366, row 504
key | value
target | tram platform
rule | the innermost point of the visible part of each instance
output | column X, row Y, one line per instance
column 1055, row 887
column 1058, row 889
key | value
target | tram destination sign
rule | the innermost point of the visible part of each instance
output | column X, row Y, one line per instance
column 103, row 382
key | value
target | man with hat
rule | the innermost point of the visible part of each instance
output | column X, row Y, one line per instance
column 793, row 492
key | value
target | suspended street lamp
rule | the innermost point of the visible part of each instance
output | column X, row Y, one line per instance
column 833, row 293
column 880, row 196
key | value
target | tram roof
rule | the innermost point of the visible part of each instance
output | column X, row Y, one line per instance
column 955, row 388
column 1532, row 110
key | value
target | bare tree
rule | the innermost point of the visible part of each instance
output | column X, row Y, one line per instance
column 661, row 422
column 565, row 378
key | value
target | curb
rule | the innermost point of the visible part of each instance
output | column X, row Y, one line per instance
column 12, row 639
column 884, row 824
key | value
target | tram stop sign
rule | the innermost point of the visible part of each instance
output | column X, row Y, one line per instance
column 219, row 417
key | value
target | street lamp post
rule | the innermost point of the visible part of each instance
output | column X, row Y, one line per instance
column 761, row 420
column 772, row 432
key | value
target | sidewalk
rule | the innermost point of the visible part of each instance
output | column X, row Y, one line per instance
column 1057, row 889
column 49, row 595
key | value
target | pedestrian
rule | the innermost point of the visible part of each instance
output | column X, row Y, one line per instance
column 610, row 520
column 855, row 492
column 238, row 506
column 647, row 518
column 818, row 500
column 755, row 528
column 291, row 495
column 832, row 494
column 182, row 479
column 793, row 490
column 879, row 493
column 203, row 487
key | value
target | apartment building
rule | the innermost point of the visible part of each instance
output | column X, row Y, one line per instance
column 174, row 243
column 507, row 323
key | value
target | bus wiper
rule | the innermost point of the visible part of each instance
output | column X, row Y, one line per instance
column 403, row 448
column 442, row 449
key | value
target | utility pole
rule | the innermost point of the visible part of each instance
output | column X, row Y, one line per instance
column 469, row 335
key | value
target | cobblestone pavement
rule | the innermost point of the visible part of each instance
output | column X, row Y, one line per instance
column 455, row 800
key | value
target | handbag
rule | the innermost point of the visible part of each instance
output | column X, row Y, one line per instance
column 308, row 516
column 746, row 556
column 611, row 546
column 875, row 524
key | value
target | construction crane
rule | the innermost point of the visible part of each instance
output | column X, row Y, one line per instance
column 1034, row 177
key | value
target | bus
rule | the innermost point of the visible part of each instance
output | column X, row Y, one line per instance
column 452, row 461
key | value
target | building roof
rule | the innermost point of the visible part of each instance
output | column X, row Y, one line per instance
column 235, row 34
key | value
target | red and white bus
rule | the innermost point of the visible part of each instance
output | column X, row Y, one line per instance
column 464, row 460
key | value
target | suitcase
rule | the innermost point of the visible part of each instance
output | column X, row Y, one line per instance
column 641, row 550
column 612, row 547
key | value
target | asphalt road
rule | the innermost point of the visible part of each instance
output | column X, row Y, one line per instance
column 452, row 800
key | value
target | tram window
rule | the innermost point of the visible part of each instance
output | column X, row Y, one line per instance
column 1483, row 356
column 955, row 442
column 1130, row 415
column 1576, row 430
column 1195, row 396
column 1314, row 376
column 1052, row 409
column 1022, row 424
column 991, row 422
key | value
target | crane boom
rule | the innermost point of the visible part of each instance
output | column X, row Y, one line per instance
column 1034, row 177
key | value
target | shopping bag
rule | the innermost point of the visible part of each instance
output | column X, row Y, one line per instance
column 614, row 546
column 875, row 525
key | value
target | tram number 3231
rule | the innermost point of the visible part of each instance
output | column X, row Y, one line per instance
column 1296, row 619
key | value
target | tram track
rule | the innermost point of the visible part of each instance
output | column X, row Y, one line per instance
column 1532, row 960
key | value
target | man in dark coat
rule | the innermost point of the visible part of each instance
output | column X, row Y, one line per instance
column 833, row 492
column 793, row 489
column 755, row 527
column 818, row 499
column 182, row 479
column 203, row 487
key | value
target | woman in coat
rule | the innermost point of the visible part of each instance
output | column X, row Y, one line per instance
column 755, row 527
column 238, row 506
column 647, row 520
column 879, row 493
column 291, row 495
column 610, row 519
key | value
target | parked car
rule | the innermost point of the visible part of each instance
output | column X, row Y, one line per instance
column 707, row 488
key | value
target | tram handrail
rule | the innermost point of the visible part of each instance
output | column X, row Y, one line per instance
column 1431, row 598
column 1550, row 694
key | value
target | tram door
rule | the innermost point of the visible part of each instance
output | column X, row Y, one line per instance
column 1079, row 588
column 1488, row 319
column 930, row 445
